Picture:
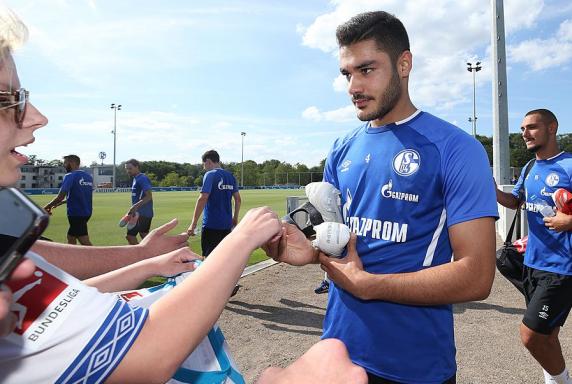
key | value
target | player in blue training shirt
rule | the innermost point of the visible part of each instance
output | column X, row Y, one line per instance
column 142, row 200
column 76, row 191
column 418, row 195
column 215, row 203
column 548, row 261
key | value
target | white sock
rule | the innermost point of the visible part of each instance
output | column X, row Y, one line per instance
column 561, row 378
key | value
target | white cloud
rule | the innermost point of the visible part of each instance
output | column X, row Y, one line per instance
column 565, row 31
column 541, row 54
column 338, row 115
column 340, row 84
column 443, row 35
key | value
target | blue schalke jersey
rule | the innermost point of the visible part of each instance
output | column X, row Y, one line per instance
column 141, row 184
column 546, row 249
column 78, row 186
column 403, row 185
column 220, row 185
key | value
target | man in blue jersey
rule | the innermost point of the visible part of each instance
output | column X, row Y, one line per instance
column 215, row 203
column 142, row 200
column 548, row 260
column 76, row 191
column 418, row 196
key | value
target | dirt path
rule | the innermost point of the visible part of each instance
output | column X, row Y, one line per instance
column 276, row 316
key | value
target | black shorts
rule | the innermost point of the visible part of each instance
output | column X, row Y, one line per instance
column 548, row 299
column 210, row 238
column 373, row 379
column 78, row 225
column 143, row 226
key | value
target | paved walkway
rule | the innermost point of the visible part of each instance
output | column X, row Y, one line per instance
column 276, row 317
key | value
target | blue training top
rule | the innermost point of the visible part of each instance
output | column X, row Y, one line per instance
column 78, row 186
column 220, row 184
column 402, row 186
column 546, row 249
column 141, row 184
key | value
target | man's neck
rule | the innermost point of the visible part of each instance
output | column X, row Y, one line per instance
column 547, row 153
column 401, row 111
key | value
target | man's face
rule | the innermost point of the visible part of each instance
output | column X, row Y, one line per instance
column 68, row 166
column 12, row 136
column 373, row 82
column 208, row 165
column 535, row 132
column 131, row 170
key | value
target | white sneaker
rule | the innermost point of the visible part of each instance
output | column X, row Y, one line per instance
column 326, row 199
column 331, row 238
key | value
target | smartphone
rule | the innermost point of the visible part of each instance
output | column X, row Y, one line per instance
column 22, row 222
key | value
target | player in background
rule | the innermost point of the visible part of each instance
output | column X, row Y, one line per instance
column 77, row 192
column 142, row 200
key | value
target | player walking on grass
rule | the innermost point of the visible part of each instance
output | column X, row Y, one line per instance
column 548, row 264
column 77, row 192
column 215, row 203
column 142, row 200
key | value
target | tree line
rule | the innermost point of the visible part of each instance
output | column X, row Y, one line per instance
column 276, row 172
column 519, row 155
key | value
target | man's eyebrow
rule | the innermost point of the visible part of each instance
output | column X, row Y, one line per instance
column 365, row 64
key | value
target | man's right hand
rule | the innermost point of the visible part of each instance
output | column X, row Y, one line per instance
column 292, row 247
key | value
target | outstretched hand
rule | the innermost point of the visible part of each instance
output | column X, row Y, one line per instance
column 291, row 247
column 327, row 361
column 175, row 262
column 158, row 242
column 259, row 226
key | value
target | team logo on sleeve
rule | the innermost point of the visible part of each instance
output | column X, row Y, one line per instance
column 552, row 179
column 406, row 162
column 345, row 165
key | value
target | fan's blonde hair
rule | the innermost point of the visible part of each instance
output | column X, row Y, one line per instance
column 13, row 32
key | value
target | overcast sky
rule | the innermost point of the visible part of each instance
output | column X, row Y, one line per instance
column 192, row 75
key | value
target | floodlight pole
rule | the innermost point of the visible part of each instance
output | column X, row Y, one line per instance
column 115, row 109
column 501, row 152
column 474, row 69
column 242, row 161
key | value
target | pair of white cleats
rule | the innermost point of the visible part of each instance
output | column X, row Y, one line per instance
column 332, row 235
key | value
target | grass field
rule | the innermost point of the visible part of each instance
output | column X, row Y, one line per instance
column 109, row 207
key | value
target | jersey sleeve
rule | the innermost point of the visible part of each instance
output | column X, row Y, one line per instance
column 67, row 183
column 145, row 184
column 208, row 180
column 234, row 184
column 518, row 190
column 468, row 182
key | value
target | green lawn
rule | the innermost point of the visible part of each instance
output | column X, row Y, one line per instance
column 108, row 208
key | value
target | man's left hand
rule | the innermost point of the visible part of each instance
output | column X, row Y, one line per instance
column 559, row 223
column 346, row 272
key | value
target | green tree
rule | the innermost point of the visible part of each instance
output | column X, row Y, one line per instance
column 170, row 180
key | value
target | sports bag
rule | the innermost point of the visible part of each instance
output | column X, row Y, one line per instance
column 510, row 262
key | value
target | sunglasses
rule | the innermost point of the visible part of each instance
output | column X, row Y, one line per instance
column 16, row 99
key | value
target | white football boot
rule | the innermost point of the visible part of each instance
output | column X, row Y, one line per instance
column 331, row 238
column 326, row 199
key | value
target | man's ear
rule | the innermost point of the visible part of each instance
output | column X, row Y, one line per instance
column 405, row 63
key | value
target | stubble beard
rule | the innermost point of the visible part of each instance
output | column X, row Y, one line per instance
column 388, row 101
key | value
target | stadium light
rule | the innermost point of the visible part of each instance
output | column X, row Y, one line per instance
column 115, row 109
column 242, row 161
column 474, row 69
